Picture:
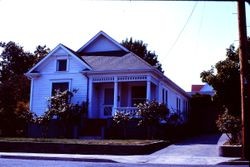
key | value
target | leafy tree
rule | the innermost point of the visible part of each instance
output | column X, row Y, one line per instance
column 140, row 49
column 14, row 86
column 224, row 77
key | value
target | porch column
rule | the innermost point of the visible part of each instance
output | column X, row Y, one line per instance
column 90, row 93
column 115, row 95
column 148, row 88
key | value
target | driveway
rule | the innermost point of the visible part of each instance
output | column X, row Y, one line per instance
column 198, row 150
column 204, row 145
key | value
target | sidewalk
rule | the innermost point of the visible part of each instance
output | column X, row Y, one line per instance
column 202, row 150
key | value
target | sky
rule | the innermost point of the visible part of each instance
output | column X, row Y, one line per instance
column 188, row 37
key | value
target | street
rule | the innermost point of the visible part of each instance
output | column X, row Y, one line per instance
column 52, row 163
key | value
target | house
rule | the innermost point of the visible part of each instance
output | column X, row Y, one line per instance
column 204, row 89
column 108, row 77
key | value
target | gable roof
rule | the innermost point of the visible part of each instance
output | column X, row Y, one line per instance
column 95, row 44
column 69, row 51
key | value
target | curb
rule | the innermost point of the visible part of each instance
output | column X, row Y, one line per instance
column 27, row 157
column 235, row 162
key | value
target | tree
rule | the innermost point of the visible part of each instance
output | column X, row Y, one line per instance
column 224, row 77
column 140, row 49
column 14, row 86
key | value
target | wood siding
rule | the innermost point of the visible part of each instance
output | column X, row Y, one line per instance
column 42, row 85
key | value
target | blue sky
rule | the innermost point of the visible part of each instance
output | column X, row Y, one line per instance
column 185, row 46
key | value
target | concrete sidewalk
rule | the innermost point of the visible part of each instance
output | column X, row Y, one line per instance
column 202, row 150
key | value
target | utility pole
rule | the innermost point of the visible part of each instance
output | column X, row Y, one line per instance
column 244, row 78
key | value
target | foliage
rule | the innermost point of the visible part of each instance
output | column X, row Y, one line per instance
column 122, row 117
column 174, row 118
column 61, row 108
column 14, row 86
column 23, row 117
column 149, row 114
column 224, row 77
column 152, row 112
column 140, row 49
column 231, row 125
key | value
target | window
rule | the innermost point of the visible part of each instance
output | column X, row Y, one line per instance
column 61, row 86
column 138, row 94
column 163, row 96
column 108, row 96
column 178, row 104
column 108, row 101
column 166, row 97
column 62, row 65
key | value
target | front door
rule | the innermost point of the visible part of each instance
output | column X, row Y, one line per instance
column 108, row 102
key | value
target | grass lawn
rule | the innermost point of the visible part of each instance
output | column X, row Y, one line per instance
column 81, row 141
column 81, row 146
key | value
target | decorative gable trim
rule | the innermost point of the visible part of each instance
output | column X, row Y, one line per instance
column 101, row 33
column 52, row 52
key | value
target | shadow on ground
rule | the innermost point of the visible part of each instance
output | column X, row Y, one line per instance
column 201, row 139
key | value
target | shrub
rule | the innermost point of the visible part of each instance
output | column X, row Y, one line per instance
column 152, row 112
column 231, row 125
column 61, row 109
column 121, row 117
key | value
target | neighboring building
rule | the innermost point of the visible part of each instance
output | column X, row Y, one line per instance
column 202, row 89
column 108, row 77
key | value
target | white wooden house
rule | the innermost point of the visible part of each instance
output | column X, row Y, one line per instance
column 108, row 76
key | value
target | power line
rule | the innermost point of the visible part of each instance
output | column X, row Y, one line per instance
column 183, row 28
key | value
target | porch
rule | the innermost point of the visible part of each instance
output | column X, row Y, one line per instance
column 108, row 94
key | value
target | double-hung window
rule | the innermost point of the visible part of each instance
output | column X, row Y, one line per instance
column 178, row 105
column 138, row 94
column 59, row 86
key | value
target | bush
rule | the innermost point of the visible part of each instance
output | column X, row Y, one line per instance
column 231, row 125
column 152, row 112
column 63, row 111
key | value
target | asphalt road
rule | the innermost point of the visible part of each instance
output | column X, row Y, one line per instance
column 52, row 163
